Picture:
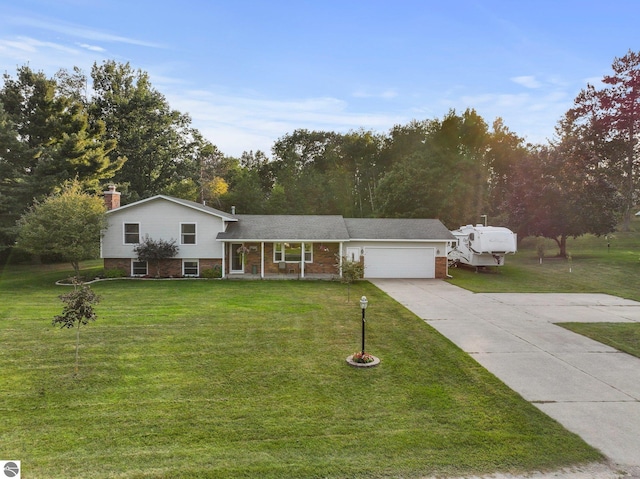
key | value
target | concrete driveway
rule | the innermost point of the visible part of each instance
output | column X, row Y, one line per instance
column 591, row 389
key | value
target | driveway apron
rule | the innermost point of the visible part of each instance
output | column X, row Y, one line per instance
column 591, row 389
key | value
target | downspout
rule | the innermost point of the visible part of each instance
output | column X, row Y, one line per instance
column 340, row 260
column 302, row 260
column 262, row 260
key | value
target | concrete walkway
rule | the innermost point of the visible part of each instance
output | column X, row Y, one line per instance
column 591, row 389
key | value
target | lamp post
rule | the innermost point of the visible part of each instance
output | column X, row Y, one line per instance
column 363, row 306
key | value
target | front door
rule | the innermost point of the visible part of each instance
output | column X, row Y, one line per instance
column 237, row 258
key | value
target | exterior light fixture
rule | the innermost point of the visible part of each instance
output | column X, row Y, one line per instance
column 363, row 305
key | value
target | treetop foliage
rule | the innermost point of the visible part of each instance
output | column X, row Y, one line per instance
column 117, row 128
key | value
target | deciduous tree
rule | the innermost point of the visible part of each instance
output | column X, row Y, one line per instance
column 557, row 193
column 611, row 116
column 154, row 139
column 67, row 224
column 78, row 311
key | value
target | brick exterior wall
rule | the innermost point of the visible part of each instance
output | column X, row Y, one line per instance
column 123, row 264
column 171, row 268
column 441, row 267
column 324, row 262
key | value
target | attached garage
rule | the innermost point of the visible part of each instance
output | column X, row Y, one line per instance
column 399, row 262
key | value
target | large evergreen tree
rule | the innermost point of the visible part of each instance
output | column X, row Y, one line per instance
column 49, row 140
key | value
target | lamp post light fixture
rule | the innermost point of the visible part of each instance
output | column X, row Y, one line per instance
column 363, row 305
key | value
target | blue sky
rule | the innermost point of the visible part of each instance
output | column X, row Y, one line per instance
column 249, row 72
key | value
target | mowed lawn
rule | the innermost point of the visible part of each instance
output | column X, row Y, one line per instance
column 597, row 265
column 608, row 265
column 231, row 379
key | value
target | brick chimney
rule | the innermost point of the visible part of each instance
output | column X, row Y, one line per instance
column 112, row 198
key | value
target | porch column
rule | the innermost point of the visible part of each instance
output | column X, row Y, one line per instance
column 224, row 254
column 302, row 261
column 340, row 261
column 262, row 260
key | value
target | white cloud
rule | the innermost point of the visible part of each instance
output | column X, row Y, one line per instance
column 31, row 45
column 79, row 31
column 93, row 48
column 527, row 81
column 385, row 94
column 236, row 122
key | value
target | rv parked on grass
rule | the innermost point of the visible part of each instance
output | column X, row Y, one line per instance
column 482, row 246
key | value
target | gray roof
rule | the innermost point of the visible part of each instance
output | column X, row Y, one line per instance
column 190, row 204
column 286, row 228
column 396, row 229
column 332, row 227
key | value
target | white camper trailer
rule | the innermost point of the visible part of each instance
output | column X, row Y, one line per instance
column 482, row 245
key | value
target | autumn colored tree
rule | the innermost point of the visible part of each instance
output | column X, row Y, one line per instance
column 610, row 117
column 557, row 193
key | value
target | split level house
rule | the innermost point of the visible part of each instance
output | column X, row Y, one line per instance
column 267, row 246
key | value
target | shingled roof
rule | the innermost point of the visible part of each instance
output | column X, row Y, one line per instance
column 332, row 227
column 286, row 228
column 396, row 229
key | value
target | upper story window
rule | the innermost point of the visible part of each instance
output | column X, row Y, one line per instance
column 188, row 233
column 132, row 233
column 292, row 252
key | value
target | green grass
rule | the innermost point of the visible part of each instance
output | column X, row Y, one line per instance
column 594, row 268
column 624, row 337
column 227, row 379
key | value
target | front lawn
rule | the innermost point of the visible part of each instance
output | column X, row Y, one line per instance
column 598, row 265
column 231, row 379
column 624, row 337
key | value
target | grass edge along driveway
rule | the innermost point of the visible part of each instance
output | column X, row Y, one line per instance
column 248, row 379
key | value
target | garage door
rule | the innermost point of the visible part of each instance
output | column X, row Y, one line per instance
column 399, row 262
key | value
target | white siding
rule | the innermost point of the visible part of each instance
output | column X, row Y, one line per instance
column 161, row 219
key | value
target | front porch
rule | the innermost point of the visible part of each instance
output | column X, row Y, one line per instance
column 282, row 260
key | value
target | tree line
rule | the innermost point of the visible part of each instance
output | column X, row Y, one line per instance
column 115, row 127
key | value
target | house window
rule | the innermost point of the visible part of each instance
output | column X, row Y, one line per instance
column 292, row 252
column 138, row 268
column 188, row 233
column 190, row 267
column 132, row 233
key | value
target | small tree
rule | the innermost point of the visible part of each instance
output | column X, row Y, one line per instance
column 351, row 272
column 78, row 311
column 154, row 251
column 68, row 224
